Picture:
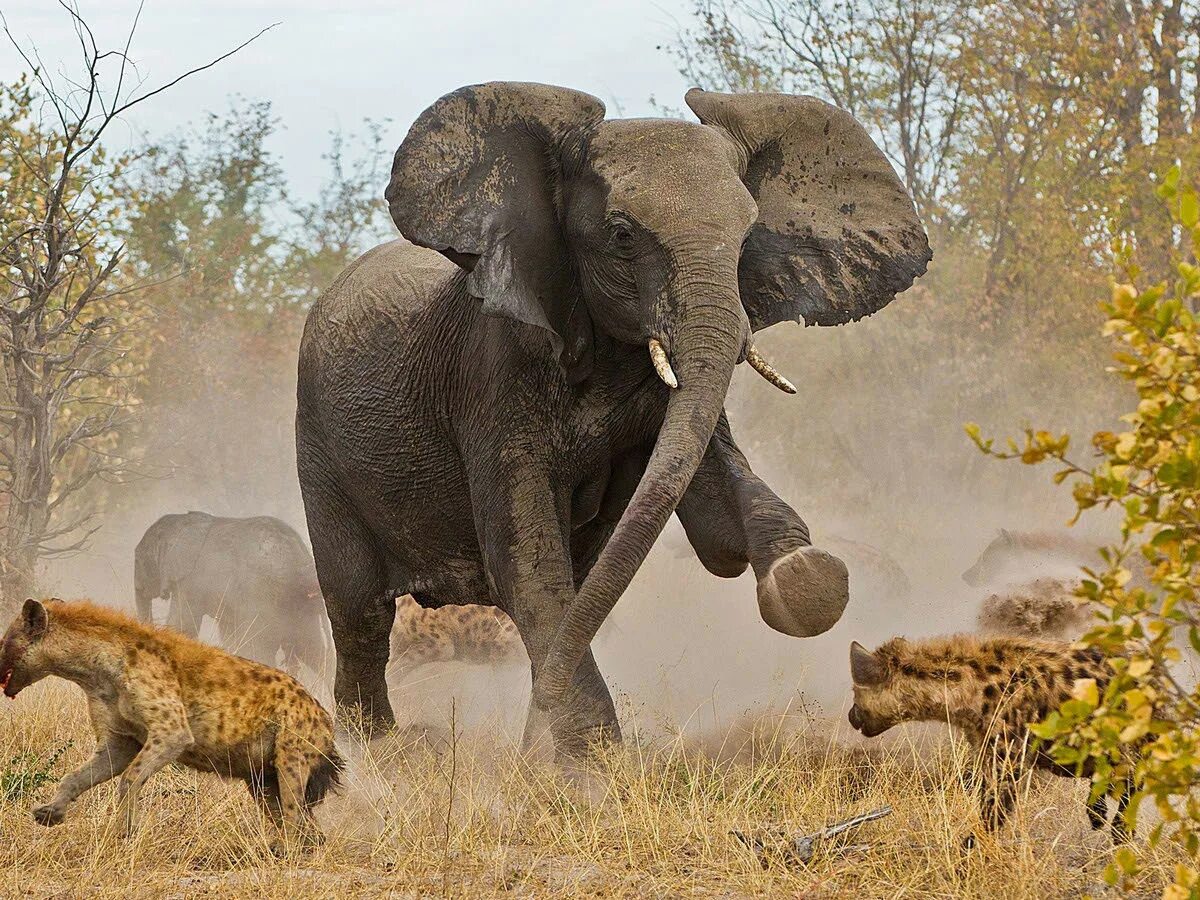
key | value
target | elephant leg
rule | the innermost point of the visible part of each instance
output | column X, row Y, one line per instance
column 353, row 578
column 182, row 616
column 143, row 599
column 526, row 550
column 733, row 519
column 586, row 716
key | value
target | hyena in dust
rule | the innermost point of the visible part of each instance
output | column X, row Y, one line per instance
column 1043, row 608
column 992, row 689
column 156, row 696
column 481, row 635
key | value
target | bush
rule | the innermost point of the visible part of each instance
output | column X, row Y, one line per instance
column 27, row 772
column 1145, row 590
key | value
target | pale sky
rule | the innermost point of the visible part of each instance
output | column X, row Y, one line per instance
column 332, row 64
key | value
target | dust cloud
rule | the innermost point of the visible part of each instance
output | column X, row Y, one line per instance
column 871, row 451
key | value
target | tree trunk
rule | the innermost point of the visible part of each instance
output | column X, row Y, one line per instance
column 29, row 499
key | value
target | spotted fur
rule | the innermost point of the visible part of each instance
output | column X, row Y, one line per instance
column 156, row 696
column 992, row 690
column 1042, row 608
column 482, row 635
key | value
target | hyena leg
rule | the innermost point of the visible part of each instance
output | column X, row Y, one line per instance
column 1002, row 768
column 1097, row 812
column 1120, row 829
column 111, row 758
column 999, row 797
column 155, row 698
column 294, row 762
column 264, row 788
column 159, row 750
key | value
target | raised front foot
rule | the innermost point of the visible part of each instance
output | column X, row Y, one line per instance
column 49, row 814
column 804, row 593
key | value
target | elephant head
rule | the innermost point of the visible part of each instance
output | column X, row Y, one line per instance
column 681, row 237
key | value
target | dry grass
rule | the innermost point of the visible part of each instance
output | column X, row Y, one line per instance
column 459, row 817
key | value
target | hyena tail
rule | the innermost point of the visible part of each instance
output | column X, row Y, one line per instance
column 325, row 776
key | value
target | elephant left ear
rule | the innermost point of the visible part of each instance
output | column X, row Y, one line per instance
column 837, row 235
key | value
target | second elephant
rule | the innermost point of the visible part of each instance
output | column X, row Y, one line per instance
column 253, row 577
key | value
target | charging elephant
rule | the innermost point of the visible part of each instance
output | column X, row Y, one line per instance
column 253, row 577
column 508, row 406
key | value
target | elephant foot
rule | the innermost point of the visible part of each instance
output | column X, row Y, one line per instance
column 369, row 719
column 537, row 742
column 49, row 815
column 575, row 728
column 804, row 593
column 585, row 784
column 576, row 749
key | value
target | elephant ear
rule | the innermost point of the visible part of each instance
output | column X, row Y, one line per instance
column 837, row 236
column 476, row 180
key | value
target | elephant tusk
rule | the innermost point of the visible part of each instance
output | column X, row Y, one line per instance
column 662, row 365
column 767, row 371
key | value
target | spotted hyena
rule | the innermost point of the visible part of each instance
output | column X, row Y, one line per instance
column 1042, row 608
column 992, row 689
column 483, row 635
column 156, row 696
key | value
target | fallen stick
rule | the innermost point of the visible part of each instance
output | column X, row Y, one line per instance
column 804, row 846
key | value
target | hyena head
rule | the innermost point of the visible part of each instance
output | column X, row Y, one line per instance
column 21, row 650
column 878, row 705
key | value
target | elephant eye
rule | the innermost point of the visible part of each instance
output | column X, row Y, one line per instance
column 621, row 237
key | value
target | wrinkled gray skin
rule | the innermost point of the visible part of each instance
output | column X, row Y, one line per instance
column 485, row 425
column 254, row 577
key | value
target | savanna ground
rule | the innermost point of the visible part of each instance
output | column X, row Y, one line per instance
column 458, row 813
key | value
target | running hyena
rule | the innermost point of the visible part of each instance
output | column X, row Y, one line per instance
column 156, row 697
column 483, row 635
column 992, row 689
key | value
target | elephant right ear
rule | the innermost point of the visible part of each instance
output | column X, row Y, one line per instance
column 476, row 178
column 837, row 236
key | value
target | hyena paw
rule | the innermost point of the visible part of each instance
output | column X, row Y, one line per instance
column 49, row 815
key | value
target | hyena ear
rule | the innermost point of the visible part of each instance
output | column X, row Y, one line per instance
column 34, row 618
column 865, row 667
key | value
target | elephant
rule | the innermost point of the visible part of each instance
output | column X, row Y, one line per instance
column 1015, row 557
column 254, row 577
column 507, row 404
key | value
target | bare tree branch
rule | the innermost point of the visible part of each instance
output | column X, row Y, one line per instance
column 65, row 307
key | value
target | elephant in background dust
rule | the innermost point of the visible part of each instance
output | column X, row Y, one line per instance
column 1013, row 557
column 253, row 577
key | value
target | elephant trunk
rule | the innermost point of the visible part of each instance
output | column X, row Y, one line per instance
column 145, row 588
column 708, row 338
